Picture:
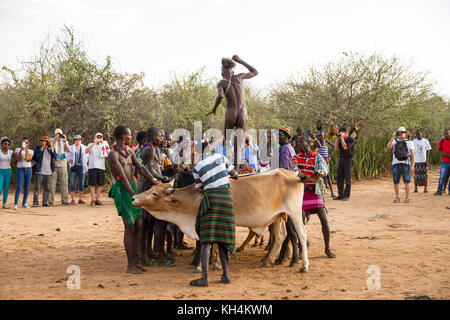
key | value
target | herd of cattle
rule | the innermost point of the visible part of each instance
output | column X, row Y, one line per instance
column 262, row 200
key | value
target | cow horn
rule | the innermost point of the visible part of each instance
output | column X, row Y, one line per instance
column 169, row 190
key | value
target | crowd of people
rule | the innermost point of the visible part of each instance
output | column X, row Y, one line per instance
column 54, row 162
column 156, row 159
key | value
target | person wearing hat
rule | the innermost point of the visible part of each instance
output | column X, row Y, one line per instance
column 403, row 160
column 98, row 151
column 286, row 152
column 5, row 169
column 346, row 146
column 44, row 156
column 24, row 172
column 60, row 174
column 77, row 159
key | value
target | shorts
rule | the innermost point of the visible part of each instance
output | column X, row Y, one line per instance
column 96, row 177
column 401, row 169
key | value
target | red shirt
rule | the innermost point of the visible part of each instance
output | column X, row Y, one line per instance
column 306, row 164
column 444, row 146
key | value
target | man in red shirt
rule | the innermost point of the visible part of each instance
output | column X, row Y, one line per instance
column 444, row 149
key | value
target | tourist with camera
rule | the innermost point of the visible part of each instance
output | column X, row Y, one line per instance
column 402, row 161
column 44, row 156
column 98, row 151
column 60, row 174
column 78, row 159
column 250, row 153
column 346, row 146
column 24, row 172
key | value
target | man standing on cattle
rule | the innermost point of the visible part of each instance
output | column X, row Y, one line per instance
column 121, row 161
column 215, row 220
column 231, row 87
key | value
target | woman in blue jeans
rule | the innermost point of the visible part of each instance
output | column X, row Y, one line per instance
column 78, row 167
column 23, row 156
column 5, row 169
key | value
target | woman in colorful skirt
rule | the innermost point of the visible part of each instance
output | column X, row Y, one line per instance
column 309, row 163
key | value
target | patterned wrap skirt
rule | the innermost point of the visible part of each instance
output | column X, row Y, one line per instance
column 420, row 174
column 215, row 219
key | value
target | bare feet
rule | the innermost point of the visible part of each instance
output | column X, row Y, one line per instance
column 330, row 254
column 199, row 283
column 134, row 270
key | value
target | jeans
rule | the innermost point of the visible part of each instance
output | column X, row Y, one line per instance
column 46, row 180
column 443, row 173
column 59, row 175
column 73, row 179
column 23, row 180
column 401, row 169
column 344, row 174
column 5, row 181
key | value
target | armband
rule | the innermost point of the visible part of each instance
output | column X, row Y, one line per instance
column 119, row 177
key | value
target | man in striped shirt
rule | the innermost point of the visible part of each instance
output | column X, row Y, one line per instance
column 215, row 220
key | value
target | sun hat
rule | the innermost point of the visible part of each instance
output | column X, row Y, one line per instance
column 98, row 134
column 3, row 139
column 58, row 131
column 77, row 137
column 285, row 130
column 401, row 129
column 45, row 138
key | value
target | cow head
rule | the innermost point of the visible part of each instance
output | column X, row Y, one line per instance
column 178, row 206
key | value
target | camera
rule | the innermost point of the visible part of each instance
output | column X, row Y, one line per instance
column 247, row 141
column 398, row 133
column 338, row 134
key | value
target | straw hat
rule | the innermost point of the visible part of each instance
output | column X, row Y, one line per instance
column 5, row 139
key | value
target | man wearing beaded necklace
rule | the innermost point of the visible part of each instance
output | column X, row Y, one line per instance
column 121, row 160
column 151, row 159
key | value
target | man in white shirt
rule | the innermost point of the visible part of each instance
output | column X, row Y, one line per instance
column 60, row 174
column 402, row 161
column 422, row 149
column 98, row 151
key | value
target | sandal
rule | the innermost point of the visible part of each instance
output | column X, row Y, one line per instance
column 407, row 200
column 98, row 203
column 92, row 203
column 397, row 200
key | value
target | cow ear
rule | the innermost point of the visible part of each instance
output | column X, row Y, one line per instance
column 172, row 182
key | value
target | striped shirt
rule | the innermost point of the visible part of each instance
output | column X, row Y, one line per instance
column 323, row 150
column 212, row 172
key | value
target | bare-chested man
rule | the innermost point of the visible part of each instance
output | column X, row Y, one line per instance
column 231, row 86
column 151, row 159
column 121, row 160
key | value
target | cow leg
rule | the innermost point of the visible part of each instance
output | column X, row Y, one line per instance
column 279, row 234
column 216, row 256
column 301, row 232
column 269, row 244
column 203, row 281
column 261, row 241
column 326, row 232
column 251, row 234
column 291, row 237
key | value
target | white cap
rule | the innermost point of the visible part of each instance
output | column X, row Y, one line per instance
column 58, row 131
column 98, row 134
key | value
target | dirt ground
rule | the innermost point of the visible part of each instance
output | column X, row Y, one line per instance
column 409, row 243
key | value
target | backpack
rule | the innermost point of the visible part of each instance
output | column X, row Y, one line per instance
column 401, row 151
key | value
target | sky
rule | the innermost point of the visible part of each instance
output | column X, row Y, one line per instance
column 280, row 38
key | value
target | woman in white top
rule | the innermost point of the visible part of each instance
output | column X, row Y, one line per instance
column 23, row 156
column 78, row 159
column 5, row 169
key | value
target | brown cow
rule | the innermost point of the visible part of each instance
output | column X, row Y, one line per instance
column 259, row 201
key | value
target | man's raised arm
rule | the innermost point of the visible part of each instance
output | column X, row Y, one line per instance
column 253, row 72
